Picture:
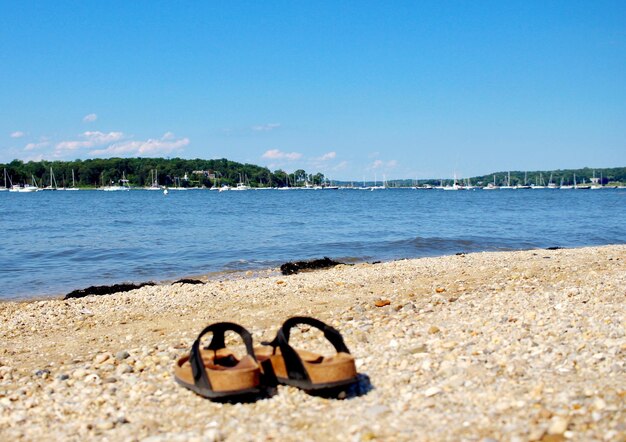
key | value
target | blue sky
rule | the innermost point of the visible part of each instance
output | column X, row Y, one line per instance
column 352, row 89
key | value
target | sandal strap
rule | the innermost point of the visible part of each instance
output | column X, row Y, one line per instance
column 293, row 363
column 201, row 379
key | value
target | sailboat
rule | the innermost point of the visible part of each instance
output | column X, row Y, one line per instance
column 568, row 186
column 26, row 188
column 241, row 185
column 120, row 187
column 53, row 182
column 540, row 184
column 508, row 183
column 154, row 178
column 491, row 186
column 454, row 186
column 5, row 188
column 596, row 185
column 525, row 185
column 73, row 183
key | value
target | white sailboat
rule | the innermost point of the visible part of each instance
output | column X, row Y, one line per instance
column 154, row 179
column 508, row 183
column 595, row 184
column 122, row 186
column 241, row 185
column 454, row 186
column 491, row 186
column 73, row 183
column 568, row 186
column 26, row 188
column 5, row 188
column 53, row 182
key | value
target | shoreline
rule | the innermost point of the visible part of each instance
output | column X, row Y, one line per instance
column 519, row 345
column 252, row 273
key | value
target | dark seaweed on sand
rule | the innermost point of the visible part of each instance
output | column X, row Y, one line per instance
column 105, row 290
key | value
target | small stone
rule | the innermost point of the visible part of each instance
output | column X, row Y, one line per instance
column 553, row 438
column 104, row 425
column 121, row 355
column 42, row 373
column 433, row 329
column 107, row 367
column 382, row 302
column 420, row 348
column 123, row 369
column 432, row 391
column 101, row 358
column 79, row 373
column 19, row 418
column 558, row 425
column 440, row 290
column 140, row 366
column 63, row 377
column 599, row 404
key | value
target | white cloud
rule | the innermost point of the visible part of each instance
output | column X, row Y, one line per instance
column 166, row 144
column 265, row 127
column 90, row 118
column 379, row 164
column 275, row 154
column 90, row 139
column 328, row 156
column 34, row 146
column 17, row 134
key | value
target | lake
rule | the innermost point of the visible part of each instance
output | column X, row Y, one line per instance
column 57, row 241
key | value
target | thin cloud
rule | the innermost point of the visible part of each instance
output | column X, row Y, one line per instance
column 166, row 144
column 275, row 154
column 379, row 164
column 265, row 127
column 90, row 118
column 341, row 166
column 90, row 139
column 34, row 146
column 328, row 156
column 17, row 134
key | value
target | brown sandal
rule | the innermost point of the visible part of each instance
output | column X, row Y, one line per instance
column 303, row 369
column 214, row 371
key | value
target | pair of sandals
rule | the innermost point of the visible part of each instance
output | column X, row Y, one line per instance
column 215, row 372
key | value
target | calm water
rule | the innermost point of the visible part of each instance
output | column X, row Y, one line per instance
column 55, row 242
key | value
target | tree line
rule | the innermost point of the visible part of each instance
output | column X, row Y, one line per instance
column 604, row 176
column 141, row 172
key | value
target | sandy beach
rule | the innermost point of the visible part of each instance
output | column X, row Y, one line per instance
column 510, row 346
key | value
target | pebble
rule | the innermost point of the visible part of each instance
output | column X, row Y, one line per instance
column 123, row 369
column 121, row 355
column 558, row 425
column 514, row 350
column 433, row 329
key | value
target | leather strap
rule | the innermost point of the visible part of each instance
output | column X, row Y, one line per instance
column 201, row 379
column 293, row 363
